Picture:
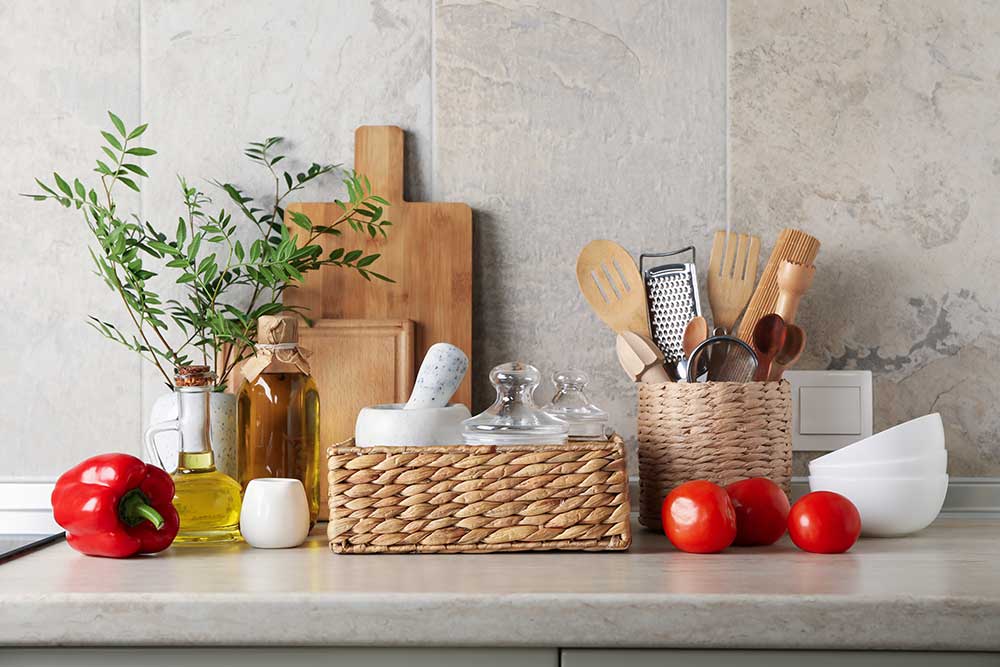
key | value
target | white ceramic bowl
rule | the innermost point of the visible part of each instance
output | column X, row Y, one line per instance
column 928, row 465
column 390, row 425
column 889, row 507
column 907, row 440
column 275, row 513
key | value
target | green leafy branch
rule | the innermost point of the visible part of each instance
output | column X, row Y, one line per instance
column 232, row 274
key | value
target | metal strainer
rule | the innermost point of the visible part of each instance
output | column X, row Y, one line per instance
column 672, row 294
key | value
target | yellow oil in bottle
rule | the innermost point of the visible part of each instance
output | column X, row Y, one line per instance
column 278, row 432
column 207, row 501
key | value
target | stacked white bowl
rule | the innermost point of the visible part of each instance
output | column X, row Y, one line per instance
column 897, row 478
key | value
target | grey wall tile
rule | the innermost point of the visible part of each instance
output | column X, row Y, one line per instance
column 873, row 126
column 217, row 75
column 562, row 122
column 68, row 392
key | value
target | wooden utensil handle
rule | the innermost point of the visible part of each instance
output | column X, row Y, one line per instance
column 787, row 305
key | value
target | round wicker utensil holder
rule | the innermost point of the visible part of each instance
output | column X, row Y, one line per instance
column 719, row 431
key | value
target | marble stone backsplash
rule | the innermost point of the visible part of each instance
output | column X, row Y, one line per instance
column 870, row 125
column 873, row 126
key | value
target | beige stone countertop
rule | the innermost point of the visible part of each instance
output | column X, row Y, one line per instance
column 939, row 589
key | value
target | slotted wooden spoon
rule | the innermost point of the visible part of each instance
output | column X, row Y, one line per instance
column 732, row 273
column 612, row 285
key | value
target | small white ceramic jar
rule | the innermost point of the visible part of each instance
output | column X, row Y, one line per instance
column 275, row 513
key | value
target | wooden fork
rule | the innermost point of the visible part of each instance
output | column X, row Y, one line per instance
column 732, row 273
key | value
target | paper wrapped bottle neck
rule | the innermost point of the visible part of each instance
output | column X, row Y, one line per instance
column 276, row 358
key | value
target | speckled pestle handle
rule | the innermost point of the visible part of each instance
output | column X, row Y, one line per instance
column 440, row 373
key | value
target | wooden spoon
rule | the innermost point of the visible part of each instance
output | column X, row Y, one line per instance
column 768, row 339
column 795, row 343
column 695, row 332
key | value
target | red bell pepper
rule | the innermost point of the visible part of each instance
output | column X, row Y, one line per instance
column 115, row 505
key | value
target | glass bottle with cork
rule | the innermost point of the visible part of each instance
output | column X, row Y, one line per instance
column 278, row 411
column 208, row 501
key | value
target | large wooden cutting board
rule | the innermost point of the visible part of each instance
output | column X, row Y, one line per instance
column 428, row 254
column 355, row 363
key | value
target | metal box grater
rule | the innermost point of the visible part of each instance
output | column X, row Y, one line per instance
column 672, row 294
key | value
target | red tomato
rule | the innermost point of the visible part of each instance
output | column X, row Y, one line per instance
column 761, row 511
column 824, row 522
column 699, row 517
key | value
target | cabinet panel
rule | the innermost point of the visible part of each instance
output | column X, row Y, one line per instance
column 285, row 657
column 709, row 658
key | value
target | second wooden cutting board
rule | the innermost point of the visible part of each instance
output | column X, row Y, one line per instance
column 428, row 254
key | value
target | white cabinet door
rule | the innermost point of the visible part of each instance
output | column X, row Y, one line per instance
column 279, row 657
column 695, row 658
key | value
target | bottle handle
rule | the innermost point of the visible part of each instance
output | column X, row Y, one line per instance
column 151, row 449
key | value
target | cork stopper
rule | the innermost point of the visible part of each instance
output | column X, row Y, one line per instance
column 277, row 329
column 193, row 376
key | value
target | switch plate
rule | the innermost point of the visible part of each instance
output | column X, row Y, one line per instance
column 830, row 409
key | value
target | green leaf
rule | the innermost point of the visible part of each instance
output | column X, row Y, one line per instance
column 129, row 182
column 62, row 184
column 139, row 150
column 302, row 220
column 137, row 132
column 185, row 278
column 110, row 153
column 351, row 256
column 136, row 169
column 181, row 234
column 119, row 125
column 80, row 190
column 45, row 187
column 365, row 261
column 112, row 140
column 192, row 250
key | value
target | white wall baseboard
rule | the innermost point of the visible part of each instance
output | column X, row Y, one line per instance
column 25, row 506
column 968, row 497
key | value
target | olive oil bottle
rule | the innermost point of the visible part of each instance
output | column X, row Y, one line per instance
column 208, row 501
column 278, row 412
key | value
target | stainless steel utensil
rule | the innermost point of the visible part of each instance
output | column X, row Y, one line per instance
column 741, row 356
column 672, row 295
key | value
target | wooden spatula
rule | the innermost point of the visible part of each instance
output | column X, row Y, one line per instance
column 732, row 273
column 612, row 285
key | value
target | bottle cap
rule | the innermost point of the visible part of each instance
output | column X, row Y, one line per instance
column 277, row 329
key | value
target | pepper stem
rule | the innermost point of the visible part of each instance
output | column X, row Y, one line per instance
column 134, row 508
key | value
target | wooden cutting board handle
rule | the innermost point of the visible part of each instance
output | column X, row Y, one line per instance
column 428, row 254
column 378, row 154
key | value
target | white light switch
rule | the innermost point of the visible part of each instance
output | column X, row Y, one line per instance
column 830, row 409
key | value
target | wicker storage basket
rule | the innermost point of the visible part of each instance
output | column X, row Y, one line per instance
column 477, row 499
column 719, row 431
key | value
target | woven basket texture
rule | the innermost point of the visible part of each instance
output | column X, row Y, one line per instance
column 478, row 499
column 719, row 431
